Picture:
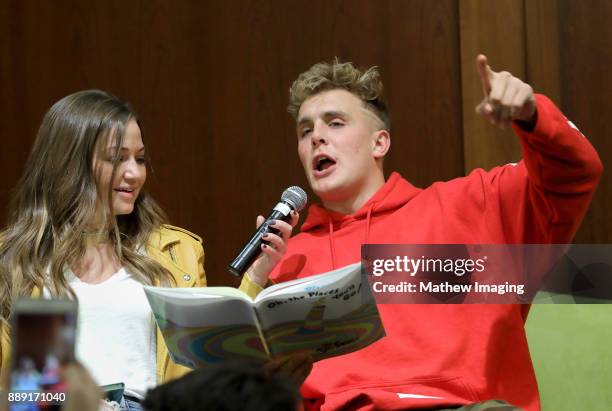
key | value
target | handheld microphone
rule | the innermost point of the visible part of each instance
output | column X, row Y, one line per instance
column 293, row 198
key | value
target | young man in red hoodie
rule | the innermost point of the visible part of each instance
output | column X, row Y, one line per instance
column 433, row 356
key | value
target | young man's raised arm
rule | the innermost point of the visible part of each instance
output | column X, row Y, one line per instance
column 543, row 198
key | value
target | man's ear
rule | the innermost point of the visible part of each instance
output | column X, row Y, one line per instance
column 381, row 143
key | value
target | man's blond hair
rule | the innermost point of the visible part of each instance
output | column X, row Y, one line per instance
column 365, row 84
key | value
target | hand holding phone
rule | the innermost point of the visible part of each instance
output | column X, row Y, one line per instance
column 42, row 343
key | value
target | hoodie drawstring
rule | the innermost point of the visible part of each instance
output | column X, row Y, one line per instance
column 331, row 242
column 368, row 220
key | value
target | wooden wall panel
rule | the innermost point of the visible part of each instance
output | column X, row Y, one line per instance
column 542, row 48
column 496, row 29
column 424, row 91
column 569, row 57
column 586, row 64
column 210, row 82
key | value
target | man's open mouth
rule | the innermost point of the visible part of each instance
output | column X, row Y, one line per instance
column 323, row 162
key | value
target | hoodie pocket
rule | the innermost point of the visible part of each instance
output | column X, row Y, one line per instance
column 418, row 393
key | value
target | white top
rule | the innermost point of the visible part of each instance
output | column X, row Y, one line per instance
column 116, row 332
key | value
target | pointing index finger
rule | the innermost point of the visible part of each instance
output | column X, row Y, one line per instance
column 485, row 73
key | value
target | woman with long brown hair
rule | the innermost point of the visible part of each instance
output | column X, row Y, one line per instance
column 81, row 226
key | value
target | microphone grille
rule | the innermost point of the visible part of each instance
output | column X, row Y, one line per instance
column 296, row 197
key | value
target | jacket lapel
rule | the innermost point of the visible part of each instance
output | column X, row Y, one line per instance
column 158, row 249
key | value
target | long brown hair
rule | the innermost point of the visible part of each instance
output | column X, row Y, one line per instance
column 57, row 198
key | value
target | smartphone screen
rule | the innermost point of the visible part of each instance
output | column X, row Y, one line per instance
column 42, row 342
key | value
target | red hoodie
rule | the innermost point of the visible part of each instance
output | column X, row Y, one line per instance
column 449, row 355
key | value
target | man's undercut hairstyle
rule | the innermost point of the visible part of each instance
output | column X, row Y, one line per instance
column 365, row 84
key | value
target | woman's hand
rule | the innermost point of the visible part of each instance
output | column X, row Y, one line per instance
column 273, row 251
column 82, row 392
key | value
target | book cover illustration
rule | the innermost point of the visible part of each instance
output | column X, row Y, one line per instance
column 324, row 316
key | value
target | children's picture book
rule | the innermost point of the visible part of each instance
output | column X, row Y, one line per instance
column 322, row 315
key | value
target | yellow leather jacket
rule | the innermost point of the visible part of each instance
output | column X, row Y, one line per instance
column 181, row 253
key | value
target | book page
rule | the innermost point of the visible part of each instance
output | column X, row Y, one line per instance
column 331, row 314
column 320, row 280
column 207, row 325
